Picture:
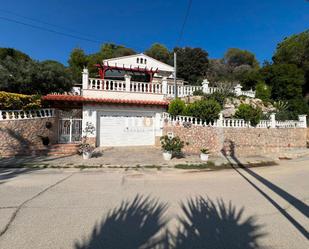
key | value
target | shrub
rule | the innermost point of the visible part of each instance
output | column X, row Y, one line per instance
column 198, row 93
column 172, row 144
column 14, row 101
column 207, row 110
column 249, row 113
column 176, row 107
column 263, row 91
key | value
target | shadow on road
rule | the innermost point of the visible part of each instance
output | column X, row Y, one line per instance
column 292, row 200
column 6, row 174
column 205, row 224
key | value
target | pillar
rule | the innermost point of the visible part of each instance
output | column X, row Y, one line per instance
column 237, row 89
column 164, row 85
column 303, row 119
column 205, row 85
column 273, row 120
column 85, row 78
column 127, row 79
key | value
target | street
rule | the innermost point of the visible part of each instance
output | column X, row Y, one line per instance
column 265, row 207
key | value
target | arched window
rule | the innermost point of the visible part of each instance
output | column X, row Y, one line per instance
column 137, row 60
column 145, row 61
column 141, row 60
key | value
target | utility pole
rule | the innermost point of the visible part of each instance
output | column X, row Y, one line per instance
column 175, row 80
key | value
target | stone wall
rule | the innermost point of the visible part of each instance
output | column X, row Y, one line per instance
column 23, row 137
column 240, row 141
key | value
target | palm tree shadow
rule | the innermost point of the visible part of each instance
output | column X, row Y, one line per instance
column 209, row 224
column 134, row 224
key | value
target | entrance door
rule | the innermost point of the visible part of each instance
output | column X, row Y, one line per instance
column 70, row 130
column 126, row 129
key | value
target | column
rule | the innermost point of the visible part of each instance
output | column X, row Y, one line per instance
column 303, row 119
column 205, row 85
column 164, row 85
column 85, row 78
column 127, row 79
column 273, row 120
column 237, row 89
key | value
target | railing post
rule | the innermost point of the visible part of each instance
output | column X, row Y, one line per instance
column 85, row 78
column 237, row 89
column 273, row 120
column 303, row 119
column 220, row 120
column 205, row 85
column 164, row 85
column 127, row 79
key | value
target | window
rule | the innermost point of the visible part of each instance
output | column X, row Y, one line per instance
column 141, row 60
column 145, row 61
column 137, row 60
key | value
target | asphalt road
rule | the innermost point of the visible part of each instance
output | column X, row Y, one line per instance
column 264, row 207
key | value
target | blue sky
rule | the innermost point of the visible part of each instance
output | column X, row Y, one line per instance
column 213, row 25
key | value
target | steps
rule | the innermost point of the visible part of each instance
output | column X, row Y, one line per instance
column 62, row 149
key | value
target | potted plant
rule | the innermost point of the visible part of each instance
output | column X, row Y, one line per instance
column 85, row 148
column 171, row 145
column 204, row 154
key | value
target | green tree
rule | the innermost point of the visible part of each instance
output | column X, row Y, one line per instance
column 159, row 52
column 176, row 107
column 263, row 91
column 235, row 57
column 207, row 110
column 192, row 64
column 77, row 61
column 249, row 113
column 295, row 50
column 285, row 80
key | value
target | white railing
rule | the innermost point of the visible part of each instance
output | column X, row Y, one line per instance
column 249, row 93
column 21, row 115
column 107, row 85
column 182, row 91
column 230, row 122
column 145, row 87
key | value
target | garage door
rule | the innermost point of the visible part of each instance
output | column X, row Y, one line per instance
column 126, row 129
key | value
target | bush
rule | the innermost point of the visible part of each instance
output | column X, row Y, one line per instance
column 171, row 144
column 207, row 110
column 14, row 101
column 263, row 91
column 249, row 113
column 198, row 93
column 176, row 107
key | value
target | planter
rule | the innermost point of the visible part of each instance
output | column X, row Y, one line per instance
column 204, row 157
column 87, row 155
column 167, row 155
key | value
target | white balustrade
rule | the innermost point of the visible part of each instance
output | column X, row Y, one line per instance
column 29, row 114
column 229, row 122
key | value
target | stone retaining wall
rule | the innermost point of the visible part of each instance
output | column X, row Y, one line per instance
column 23, row 137
column 240, row 141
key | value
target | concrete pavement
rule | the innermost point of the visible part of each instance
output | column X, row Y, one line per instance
column 60, row 208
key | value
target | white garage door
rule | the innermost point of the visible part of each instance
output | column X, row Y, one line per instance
column 125, row 129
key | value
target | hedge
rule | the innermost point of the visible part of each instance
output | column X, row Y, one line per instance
column 15, row 101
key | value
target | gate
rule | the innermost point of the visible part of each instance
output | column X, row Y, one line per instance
column 70, row 130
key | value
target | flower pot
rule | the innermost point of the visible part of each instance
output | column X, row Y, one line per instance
column 167, row 155
column 87, row 155
column 204, row 157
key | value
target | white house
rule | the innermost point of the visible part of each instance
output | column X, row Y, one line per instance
column 124, row 105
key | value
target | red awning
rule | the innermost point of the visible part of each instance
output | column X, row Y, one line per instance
column 81, row 99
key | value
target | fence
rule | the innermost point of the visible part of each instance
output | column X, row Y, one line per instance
column 21, row 114
column 188, row 121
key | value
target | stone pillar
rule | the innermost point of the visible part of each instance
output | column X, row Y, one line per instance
column 220, row 120
column 205, row 85
column 85, row 78
column 127, row 79
column 164, row 85
column 273, row 120
column 237, row 89
column 303, row 119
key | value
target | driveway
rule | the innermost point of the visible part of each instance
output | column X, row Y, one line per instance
column 263, row 207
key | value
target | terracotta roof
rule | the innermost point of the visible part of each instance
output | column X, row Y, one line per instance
column 75, row 98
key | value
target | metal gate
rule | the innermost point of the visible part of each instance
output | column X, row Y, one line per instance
column 70, row 130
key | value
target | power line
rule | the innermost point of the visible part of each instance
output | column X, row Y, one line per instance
column 50, row 30
column 184, row 22
column 44, row 22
